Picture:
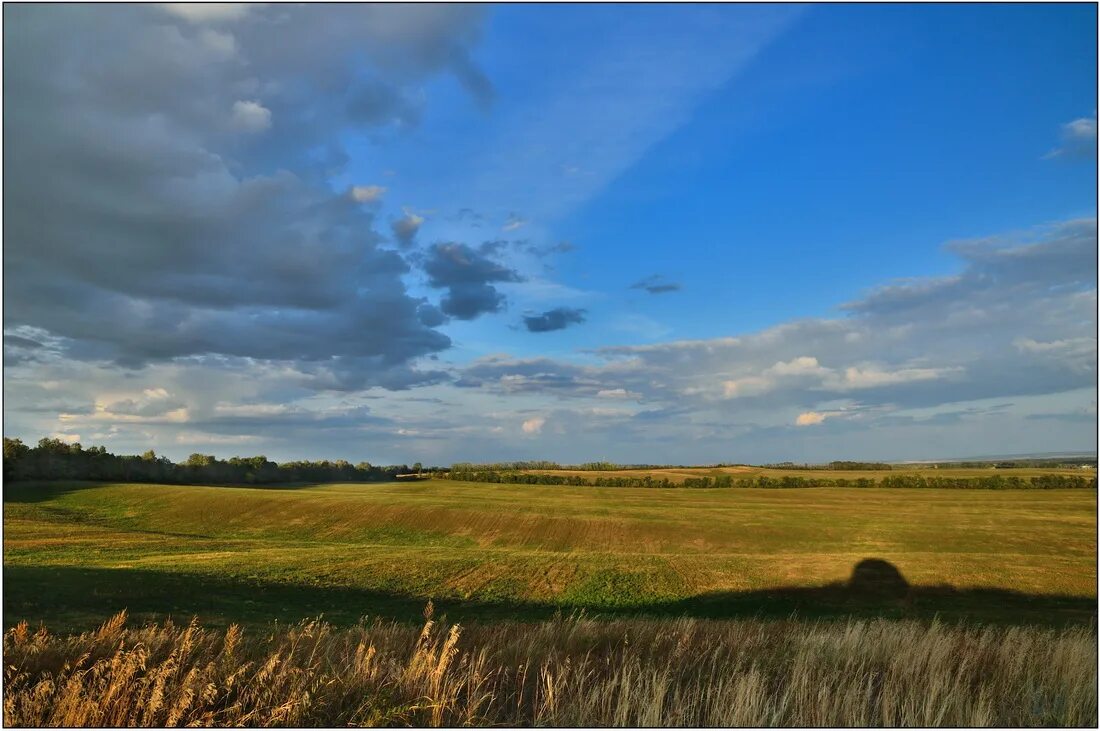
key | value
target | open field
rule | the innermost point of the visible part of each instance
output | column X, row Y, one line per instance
column 76, row 553
column 562, row 672
column 679, row 474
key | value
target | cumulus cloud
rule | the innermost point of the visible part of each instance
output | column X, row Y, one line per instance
column 468, row 275
column 1078, row 140
column 405, row 228
column 656, row 284
column 172, row 202
column 809, row 418
column 558, row 318
column 151, row 403
column 534, row 425
column 251, row 116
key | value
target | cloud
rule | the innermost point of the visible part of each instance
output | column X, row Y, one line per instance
column 558, row 318
column 207, row 12
column 607, row 103
column 1018, row 319
column 468, row 275
column 809, row 418
column 223, row 45
column 405, row 228
column 1078, row 140
column 616, row 393
column 656, row 284
column 366, row 193
column 152, row 403
column 514, row 222
column 172, row 199
column 251, row 116
column 545, row 250
column 534, row 425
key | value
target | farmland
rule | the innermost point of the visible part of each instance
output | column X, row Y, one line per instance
column 76, row 553
column 677, row 475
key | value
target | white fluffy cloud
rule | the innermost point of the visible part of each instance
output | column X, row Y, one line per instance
column 534, row 425
column 809, row 418
column 250, row 116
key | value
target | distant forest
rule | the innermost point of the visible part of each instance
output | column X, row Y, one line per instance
column 53, row 459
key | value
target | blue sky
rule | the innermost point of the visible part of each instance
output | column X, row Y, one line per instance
column 640, row 233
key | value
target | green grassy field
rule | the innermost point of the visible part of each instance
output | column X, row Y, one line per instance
column 75, row 553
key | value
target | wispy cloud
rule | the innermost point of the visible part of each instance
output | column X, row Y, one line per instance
column 1078, row 140
column 656, row 284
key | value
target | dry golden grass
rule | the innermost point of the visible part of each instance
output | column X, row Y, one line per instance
column 564, row 672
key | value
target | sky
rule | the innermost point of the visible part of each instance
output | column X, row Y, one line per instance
column 675, row 234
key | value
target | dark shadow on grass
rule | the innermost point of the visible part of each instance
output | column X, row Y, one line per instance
column 33, row 491
column 72, row 599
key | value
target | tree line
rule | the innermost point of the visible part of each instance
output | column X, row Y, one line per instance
column 990, row 482
column 845, row 465
column 53, row 459
column 541, row 464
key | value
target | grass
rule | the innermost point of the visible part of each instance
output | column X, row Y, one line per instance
column 76, row 553
column 679, row 474
column 561, row 672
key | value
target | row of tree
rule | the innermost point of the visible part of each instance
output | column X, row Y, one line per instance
column 53, row 459
column 989, row 482
column 541, row 464
column 836, row 465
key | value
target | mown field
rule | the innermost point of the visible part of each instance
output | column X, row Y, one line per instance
column 76, row 553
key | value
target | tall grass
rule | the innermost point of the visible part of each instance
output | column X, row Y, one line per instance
column 564, row 672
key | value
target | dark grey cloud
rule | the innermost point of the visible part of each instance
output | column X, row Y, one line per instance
column 166, row 194
column 558, row 318
column 656, row 284
column 468, row 275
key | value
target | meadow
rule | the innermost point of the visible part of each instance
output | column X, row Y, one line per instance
column 76, row 553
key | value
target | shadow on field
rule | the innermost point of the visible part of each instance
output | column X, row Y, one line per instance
column 877, row 589
column 71, row 599
column 39, row 492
